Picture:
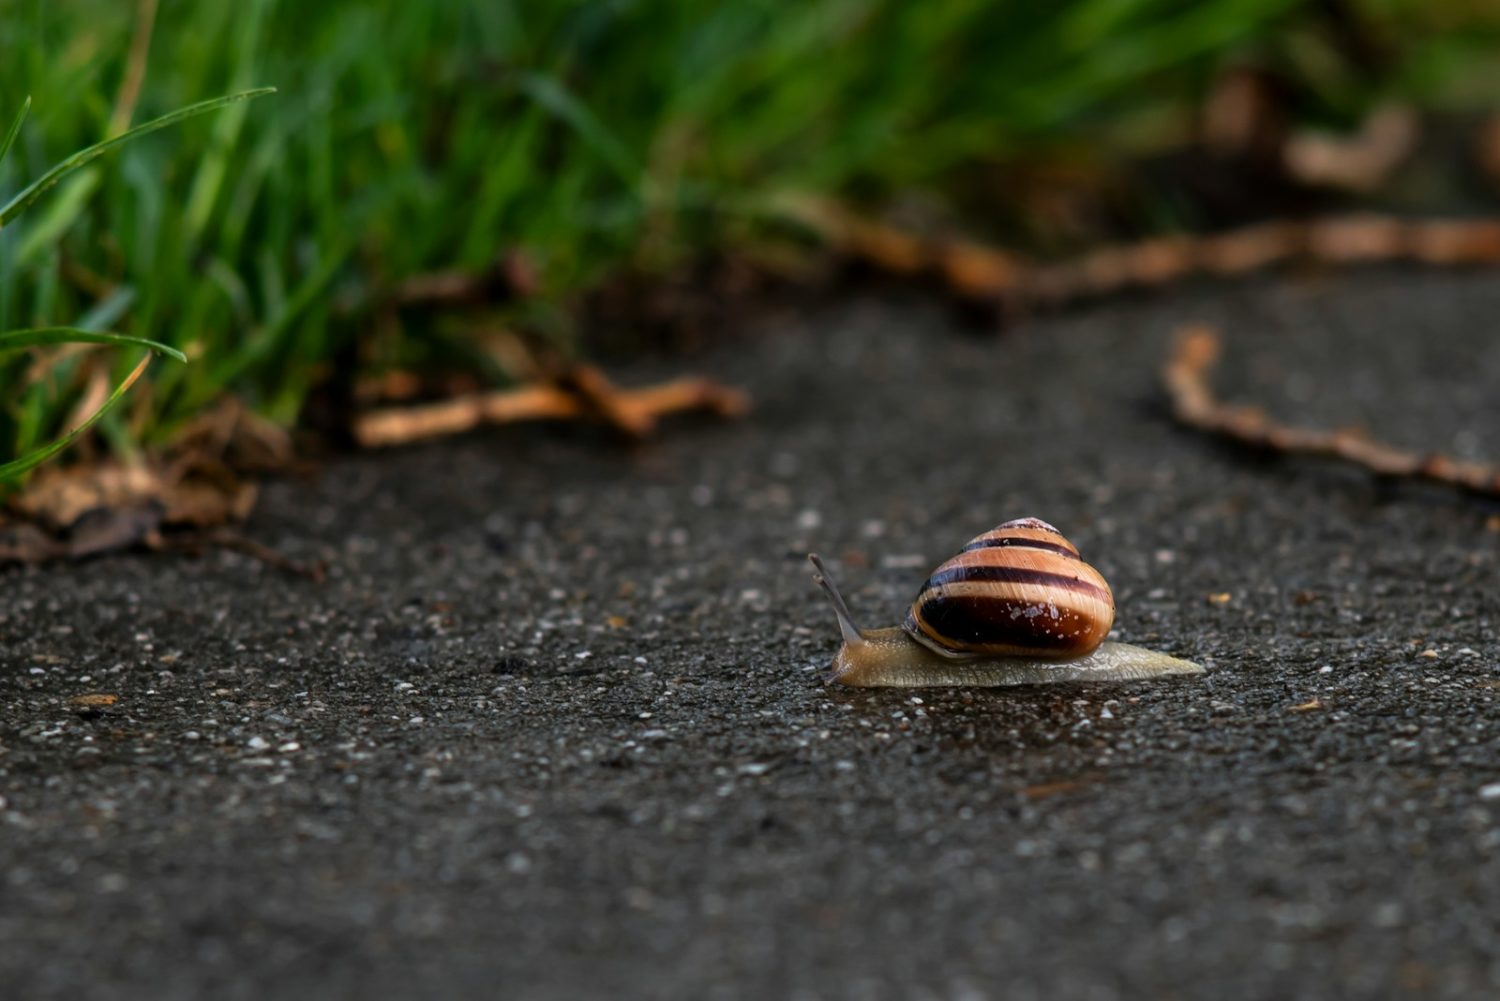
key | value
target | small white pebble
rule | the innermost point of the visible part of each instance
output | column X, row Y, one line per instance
column 1326, row 669
column 404, row 686
column 257, row 743
column 289, row 747
column 1165, row 556
column 583, row 655
column 1491, row 791
column 754, row 768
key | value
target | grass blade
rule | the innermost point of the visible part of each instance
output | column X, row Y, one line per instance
column 558, row 100
column 15, row 340
column 37, row 188
column 15, row 128
column 16, row 467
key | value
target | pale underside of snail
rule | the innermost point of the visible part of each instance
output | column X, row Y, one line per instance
column 1017, row 606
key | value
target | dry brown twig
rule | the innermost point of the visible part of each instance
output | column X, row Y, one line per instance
column 1185, row 377
column 585, row 392
column 976, row 271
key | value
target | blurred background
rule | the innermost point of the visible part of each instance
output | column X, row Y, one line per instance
column 562, row 164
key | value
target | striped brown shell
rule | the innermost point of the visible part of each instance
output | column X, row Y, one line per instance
column 1020, row 589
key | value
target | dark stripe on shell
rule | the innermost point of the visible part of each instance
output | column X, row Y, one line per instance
column 1014, row 575
column 972, row 621
column 1020, row 542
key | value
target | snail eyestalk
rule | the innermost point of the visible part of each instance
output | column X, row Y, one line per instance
column 850, row 631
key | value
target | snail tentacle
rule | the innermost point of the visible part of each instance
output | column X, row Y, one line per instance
column 851, row 632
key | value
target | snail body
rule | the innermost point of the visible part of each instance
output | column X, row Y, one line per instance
column 1016, row 606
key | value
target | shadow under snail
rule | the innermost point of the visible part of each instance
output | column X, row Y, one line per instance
column 1016, row 606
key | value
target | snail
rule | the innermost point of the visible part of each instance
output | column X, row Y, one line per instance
column 1016, row 606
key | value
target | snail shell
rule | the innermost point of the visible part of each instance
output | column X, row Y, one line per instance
column 1020, row 589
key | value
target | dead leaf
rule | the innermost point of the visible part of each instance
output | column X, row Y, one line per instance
column 23, row 542
column 1308, row 706
column 1359, row 162
column 94, row 700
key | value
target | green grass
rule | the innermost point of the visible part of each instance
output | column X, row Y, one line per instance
column 38, row 337
column 261, row 241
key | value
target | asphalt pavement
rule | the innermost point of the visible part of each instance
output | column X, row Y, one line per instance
column 555, row 726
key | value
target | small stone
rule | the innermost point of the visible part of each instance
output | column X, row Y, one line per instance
column 1489, row 792
column 289, row 747
column 754, row 768
column 257, row 743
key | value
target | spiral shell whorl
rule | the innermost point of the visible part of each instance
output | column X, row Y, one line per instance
column 1020, row 589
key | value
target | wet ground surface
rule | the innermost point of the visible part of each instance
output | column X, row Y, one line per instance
column 554, row 725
